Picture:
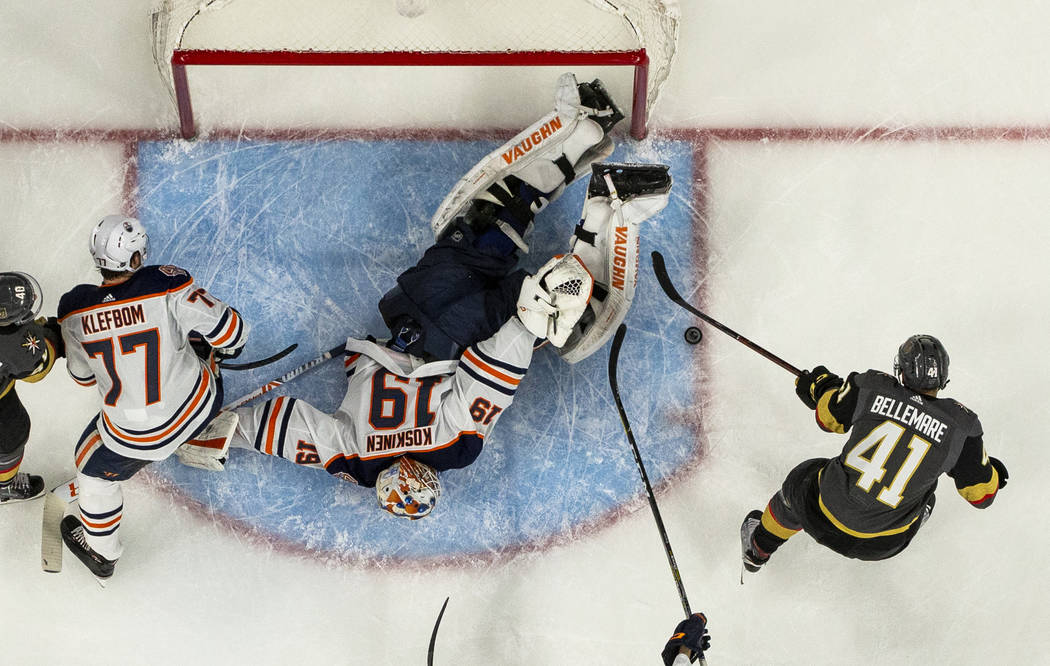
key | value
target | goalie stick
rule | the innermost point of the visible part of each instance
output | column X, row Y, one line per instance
column 665, row 283
column 55, row 503
column 434, row 634
column 286, row 377
column 261, row 362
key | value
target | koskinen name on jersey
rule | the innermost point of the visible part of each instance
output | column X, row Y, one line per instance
column 401, row 439
column 909, row 416
column 96, row 322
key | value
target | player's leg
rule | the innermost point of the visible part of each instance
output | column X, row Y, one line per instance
column 94, row 535
column 533, row 168
column 763, row 532
column 456, row 294
column 15, row 486
column 464, row 288
column 619, row 198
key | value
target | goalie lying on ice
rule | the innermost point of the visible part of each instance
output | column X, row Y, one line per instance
column 464, row 321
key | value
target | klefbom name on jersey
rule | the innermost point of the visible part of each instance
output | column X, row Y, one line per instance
column 96, row 322
column 533, row 140
column 401, row 439
column 910, row 416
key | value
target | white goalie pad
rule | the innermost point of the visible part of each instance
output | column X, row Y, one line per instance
column 531, row 154
column 612, row 257
column 209, row 449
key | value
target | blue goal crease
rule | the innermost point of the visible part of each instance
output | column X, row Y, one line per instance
column 304, row 237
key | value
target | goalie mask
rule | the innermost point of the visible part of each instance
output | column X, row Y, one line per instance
column 408, row 488
column 20, row 298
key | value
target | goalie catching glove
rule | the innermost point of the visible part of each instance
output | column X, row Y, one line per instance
column 553, row 300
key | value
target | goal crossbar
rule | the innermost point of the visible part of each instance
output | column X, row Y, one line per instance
column 181, row 59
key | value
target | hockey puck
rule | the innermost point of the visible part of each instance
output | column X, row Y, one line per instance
column 693, row 335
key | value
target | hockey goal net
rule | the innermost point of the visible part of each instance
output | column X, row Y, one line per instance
column 452, row 33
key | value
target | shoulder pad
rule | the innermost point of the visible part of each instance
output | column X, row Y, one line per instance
column 173, row 276
column 76, row 298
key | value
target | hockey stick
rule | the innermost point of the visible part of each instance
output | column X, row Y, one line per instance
column 665, row 283
column 286, row 377
column 614, row 355
column 261, row 362
column 54, row 511
column 434, row 634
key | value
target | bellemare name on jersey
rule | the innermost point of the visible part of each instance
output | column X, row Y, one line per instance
column 910, row 416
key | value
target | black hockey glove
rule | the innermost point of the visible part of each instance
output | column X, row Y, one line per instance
column 200, row 346
column 1001, row 469
column 691, row 634
column 812, row 384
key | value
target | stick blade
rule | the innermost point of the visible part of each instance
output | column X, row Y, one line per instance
column 50, row 535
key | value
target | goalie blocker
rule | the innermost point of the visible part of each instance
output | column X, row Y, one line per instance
column 619, row 198
column 209, row 449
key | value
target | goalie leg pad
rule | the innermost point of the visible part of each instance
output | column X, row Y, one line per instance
column 210, row 448
column 546, row 156
column 553, row 300
column 620, row 197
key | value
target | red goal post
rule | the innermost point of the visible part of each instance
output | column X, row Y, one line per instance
column 448, row 33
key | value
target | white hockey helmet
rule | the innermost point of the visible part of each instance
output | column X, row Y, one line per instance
column 115, row 239
column 408, row 488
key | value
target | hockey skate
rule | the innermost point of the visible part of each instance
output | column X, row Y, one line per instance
column 22, row 487
column 619, row 198
column 752, row 557
column 628, row 180
column 76, row 541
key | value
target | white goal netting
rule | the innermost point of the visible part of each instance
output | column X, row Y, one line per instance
column 230, row 31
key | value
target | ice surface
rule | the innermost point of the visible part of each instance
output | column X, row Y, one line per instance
column 819, row 246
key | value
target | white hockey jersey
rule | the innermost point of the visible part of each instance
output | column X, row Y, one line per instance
column 438, row 413
column 131, row 340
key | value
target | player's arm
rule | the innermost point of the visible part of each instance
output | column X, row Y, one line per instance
column 53, row 348
column 483, row 387
column 77, row 359
column 832, row 399
column 219, row 324
column 977, row 476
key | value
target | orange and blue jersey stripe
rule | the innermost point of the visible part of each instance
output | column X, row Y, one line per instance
column 271, row 437
column 229, row 332
column 199, row 403
column 349, row 359
column 491, row 372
